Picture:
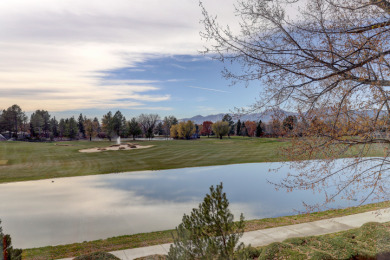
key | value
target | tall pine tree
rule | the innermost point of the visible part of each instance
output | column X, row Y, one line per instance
column 80, row 125
column 259, row 129
column 238, row 129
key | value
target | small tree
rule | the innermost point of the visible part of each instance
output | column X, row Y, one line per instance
column 73, row 129
column 118, row 123
column 186, row 129
column 221, row 128
column 207, row 128
column 90, row 128
column 133, row 128
column 250, row 127
column 9, row 253
column 209, row 232
column 228, row 118
column 36, row 124
column 97, row 123
column 168, row 122
column 54, row 127
column 174, row 131
column 61, row 128
column 159, row 129
column 40, row 123
column 12, row 119
column 108, row 125
column 147, row 123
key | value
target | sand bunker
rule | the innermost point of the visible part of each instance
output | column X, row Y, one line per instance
column 115, row 147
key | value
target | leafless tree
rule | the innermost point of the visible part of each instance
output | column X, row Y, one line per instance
column 147, row 123
column 331, row 61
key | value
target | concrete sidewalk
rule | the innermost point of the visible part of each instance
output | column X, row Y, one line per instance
column 266, row 236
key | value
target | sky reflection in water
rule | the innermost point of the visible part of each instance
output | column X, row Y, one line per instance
column 76, row 209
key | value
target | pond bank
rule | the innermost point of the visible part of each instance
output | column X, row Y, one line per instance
column 156, row 238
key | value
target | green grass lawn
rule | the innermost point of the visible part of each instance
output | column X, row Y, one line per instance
column 32, row 161
column 20, row 161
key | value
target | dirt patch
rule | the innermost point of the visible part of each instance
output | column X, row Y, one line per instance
column 122, row 147
column 3, row 162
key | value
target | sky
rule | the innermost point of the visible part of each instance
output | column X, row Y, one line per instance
column 91, row 57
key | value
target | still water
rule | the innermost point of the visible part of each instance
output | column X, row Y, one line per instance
column 76, row 209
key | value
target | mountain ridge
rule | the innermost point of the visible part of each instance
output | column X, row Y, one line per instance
column 265, row 117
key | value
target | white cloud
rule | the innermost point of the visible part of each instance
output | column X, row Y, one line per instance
column 65, row 47
column 127, row 81
column 209, row 89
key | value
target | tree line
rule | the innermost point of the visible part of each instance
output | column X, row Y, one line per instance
column 227, row 126
column 42, row 126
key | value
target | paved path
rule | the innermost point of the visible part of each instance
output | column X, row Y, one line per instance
column 266, row 236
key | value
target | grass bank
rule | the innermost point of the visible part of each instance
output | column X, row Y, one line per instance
column 371, row 241
column 154, row 238
column 21, row 161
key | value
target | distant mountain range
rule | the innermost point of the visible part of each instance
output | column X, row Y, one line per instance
column 265, row 117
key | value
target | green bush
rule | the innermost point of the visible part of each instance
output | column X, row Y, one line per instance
column 253, row 252
column 248, row 253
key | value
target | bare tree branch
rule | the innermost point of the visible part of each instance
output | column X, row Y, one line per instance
column 332, row 62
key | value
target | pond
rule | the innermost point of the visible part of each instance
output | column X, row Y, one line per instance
column 76, row 209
